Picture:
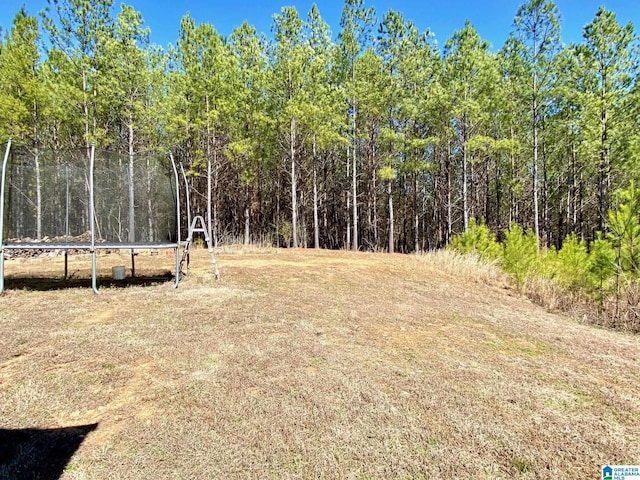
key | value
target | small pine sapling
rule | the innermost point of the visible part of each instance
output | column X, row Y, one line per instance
column 602, row 267
column 477, row 239
column 572, row 264
column 520, row 254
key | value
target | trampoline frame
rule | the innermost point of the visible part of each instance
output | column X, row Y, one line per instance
column 92, row 246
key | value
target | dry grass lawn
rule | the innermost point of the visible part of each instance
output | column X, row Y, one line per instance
column 312, row 364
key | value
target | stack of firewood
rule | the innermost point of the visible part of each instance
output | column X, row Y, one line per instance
column 44, row 251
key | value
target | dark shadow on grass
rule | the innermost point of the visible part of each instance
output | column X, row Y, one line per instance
column 42, row 284
column 35, row 454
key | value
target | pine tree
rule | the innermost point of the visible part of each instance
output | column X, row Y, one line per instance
column 471, row 76
column 520, row 253
column 538, row 30
column 22, row 96
column 290, row 63
column 356, row 23
column 250, row 134
column 609, row 63
column 410, row 65
column 78, row 32
column 324, row 114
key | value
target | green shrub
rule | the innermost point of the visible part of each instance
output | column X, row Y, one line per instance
column 573, row 264
column 520, row 255
column 477, row 239
column 624, row 231
column 602, row 265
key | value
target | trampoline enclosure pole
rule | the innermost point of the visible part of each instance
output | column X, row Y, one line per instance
column 188, row 198
column 66, row 220
column 92, row 213
column 177, row 187
column 4, row 177
column 178, row 215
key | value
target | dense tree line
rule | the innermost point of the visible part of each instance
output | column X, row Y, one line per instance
column 373, row 139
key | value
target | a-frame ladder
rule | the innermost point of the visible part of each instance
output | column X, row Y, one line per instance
column 194, row 228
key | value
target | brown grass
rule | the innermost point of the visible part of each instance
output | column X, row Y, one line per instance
column 316, row 364
column 620, row 312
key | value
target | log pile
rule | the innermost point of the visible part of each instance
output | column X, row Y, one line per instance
column 44, row 251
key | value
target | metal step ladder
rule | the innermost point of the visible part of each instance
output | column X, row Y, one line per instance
column 194, row 228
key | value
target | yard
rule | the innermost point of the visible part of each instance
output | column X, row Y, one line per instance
column 306, row 364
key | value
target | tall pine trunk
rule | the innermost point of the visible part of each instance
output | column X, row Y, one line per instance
column 416, row 218
column 247, row 214
column 465, row 180
column 534, row 109
column 216, row 174
column 603, row 177
column 38, row 195
column 391, row 221
column 348, row 241
column 449, row 199
column 38, row 172
column 294, row 200
column 354, row 191
column 209, row 171
column 150, row 224
column 132, row 222
column 316, row 226
column 85, row 109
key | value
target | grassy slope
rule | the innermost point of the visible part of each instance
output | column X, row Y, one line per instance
column 306, row 364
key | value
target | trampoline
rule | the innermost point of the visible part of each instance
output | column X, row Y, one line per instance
column 90, row 200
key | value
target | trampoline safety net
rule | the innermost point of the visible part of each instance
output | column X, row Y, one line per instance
column 47, row 197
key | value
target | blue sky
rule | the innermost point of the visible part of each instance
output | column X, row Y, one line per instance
column 492, row 18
